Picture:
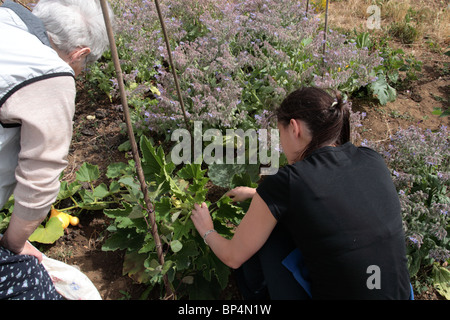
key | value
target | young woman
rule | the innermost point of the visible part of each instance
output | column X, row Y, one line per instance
column 334, row 202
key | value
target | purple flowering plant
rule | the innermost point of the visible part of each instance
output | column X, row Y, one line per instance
column 234, row 59
column 420, row 165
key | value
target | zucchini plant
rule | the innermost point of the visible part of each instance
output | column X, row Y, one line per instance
column 193, row 270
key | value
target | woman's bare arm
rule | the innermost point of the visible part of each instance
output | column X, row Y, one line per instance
column 251, row 234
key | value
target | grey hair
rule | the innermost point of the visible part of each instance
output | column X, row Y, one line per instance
column 73, row 24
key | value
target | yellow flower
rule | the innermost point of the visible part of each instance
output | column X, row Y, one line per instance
column 319, row 4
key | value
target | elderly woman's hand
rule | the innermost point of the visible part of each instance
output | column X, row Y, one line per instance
column 201, row 218
column 28, row 249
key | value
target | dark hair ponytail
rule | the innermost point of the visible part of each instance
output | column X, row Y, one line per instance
column 345, row 109
column 327, row 118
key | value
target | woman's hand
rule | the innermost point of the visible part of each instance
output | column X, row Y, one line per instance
column 201, row 218
column 251, row 234
column 17, row 234
column 28, row 249
column 241, row 193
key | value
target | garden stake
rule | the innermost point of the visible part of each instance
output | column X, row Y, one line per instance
column 325, row 37
column 326, row 28
column 153, row 227
column 172, row 66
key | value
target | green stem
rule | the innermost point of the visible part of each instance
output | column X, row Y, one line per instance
column 74, row 201
column 76, row 206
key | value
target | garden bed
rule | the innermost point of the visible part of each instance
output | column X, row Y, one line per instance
column 96, row 142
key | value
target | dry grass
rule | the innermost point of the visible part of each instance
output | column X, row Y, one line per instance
column 429, row 18
column 412, row 20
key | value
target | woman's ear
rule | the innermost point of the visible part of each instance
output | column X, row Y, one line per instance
column 80, row 54
column 77, row 59
column 296, row 128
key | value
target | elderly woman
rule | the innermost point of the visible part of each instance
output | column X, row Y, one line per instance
column 42, row 53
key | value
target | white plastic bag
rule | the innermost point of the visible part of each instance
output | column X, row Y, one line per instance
column 70, row 282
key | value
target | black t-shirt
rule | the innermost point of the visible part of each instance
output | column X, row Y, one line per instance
column 343, row 213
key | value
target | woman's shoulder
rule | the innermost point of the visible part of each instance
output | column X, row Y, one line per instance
column 282, row 175
column 345, row 151
column 370, row 153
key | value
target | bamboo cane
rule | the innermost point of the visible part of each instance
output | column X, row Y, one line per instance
column 326, row 28
column 152, row 226
column 172, row 66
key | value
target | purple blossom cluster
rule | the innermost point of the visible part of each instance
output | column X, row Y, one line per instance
column 346, row 67
column 422, row 221
column 420, row 165
column 234, row 59
column 414, row 148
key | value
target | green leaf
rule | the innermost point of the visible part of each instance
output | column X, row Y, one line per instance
column 228, row 211
column 88, row 173
column 212, row 266
column 89, row 201
column 182, row 230
column 115, row 170
column 222, row 273
column 101, row 191
column 222, row 174
column 166, row 267
column 176, row 245
column 192, row 171
column 134, row 265
column 363, row 40
column 124, row 239
column 182, row 258
column 203, row 289
column 114, row 187
column 149, row 244
column 243, row 180
column 153, row 160
column 382, row 90
column 129, row 217
column 124, row 147
column 441, row 280
column 67, row 190
column 163, row 208
column 52, row 231
column 393, row 76
column 133, row 187
column 440, row 113
column 306, row 41
column 177, row 187
column 119, row 212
